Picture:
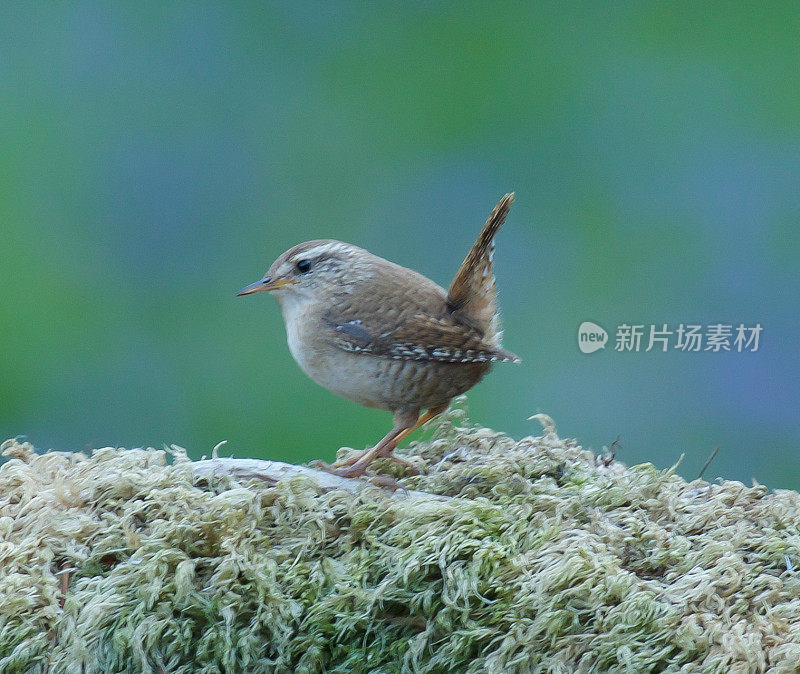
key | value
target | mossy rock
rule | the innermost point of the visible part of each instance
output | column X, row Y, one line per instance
column 519, row 556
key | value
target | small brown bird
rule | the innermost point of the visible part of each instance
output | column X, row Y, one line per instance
column 385, row 336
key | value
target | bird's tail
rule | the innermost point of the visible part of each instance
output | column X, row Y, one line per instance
column 472, row 293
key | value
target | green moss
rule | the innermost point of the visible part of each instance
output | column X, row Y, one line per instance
column 529, row 555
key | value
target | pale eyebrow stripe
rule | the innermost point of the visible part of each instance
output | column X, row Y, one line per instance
column 316, row 251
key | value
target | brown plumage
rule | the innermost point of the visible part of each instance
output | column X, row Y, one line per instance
column 472, row 293
column 385, row 336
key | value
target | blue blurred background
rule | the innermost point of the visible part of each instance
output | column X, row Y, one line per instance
column 157, row 157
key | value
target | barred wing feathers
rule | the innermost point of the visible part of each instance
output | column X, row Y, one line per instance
column 417, row 337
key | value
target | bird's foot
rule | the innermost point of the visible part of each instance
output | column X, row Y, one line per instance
column 350, row 472
column 356, row 469
column 364, row 458
column 341, row 471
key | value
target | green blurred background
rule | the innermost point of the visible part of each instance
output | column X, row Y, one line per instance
column 154, row 158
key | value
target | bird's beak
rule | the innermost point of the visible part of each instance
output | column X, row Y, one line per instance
column 265, row 284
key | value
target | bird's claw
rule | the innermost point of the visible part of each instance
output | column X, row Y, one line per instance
column 333, row 469
column 350, row 470
column 356, row 472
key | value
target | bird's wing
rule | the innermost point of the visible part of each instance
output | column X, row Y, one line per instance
column 415, row 336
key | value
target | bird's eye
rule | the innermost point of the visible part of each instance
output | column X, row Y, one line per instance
column 303, row 266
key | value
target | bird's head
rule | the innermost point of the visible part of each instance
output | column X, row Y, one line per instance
column 311, row 269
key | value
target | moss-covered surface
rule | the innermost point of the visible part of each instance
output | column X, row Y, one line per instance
column 544, row 559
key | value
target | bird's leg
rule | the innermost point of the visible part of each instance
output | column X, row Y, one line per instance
column 424, row 419
column 403, row 419
column 355, row 464
column 406, row 422
column 356, row 456
column 383, row 448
